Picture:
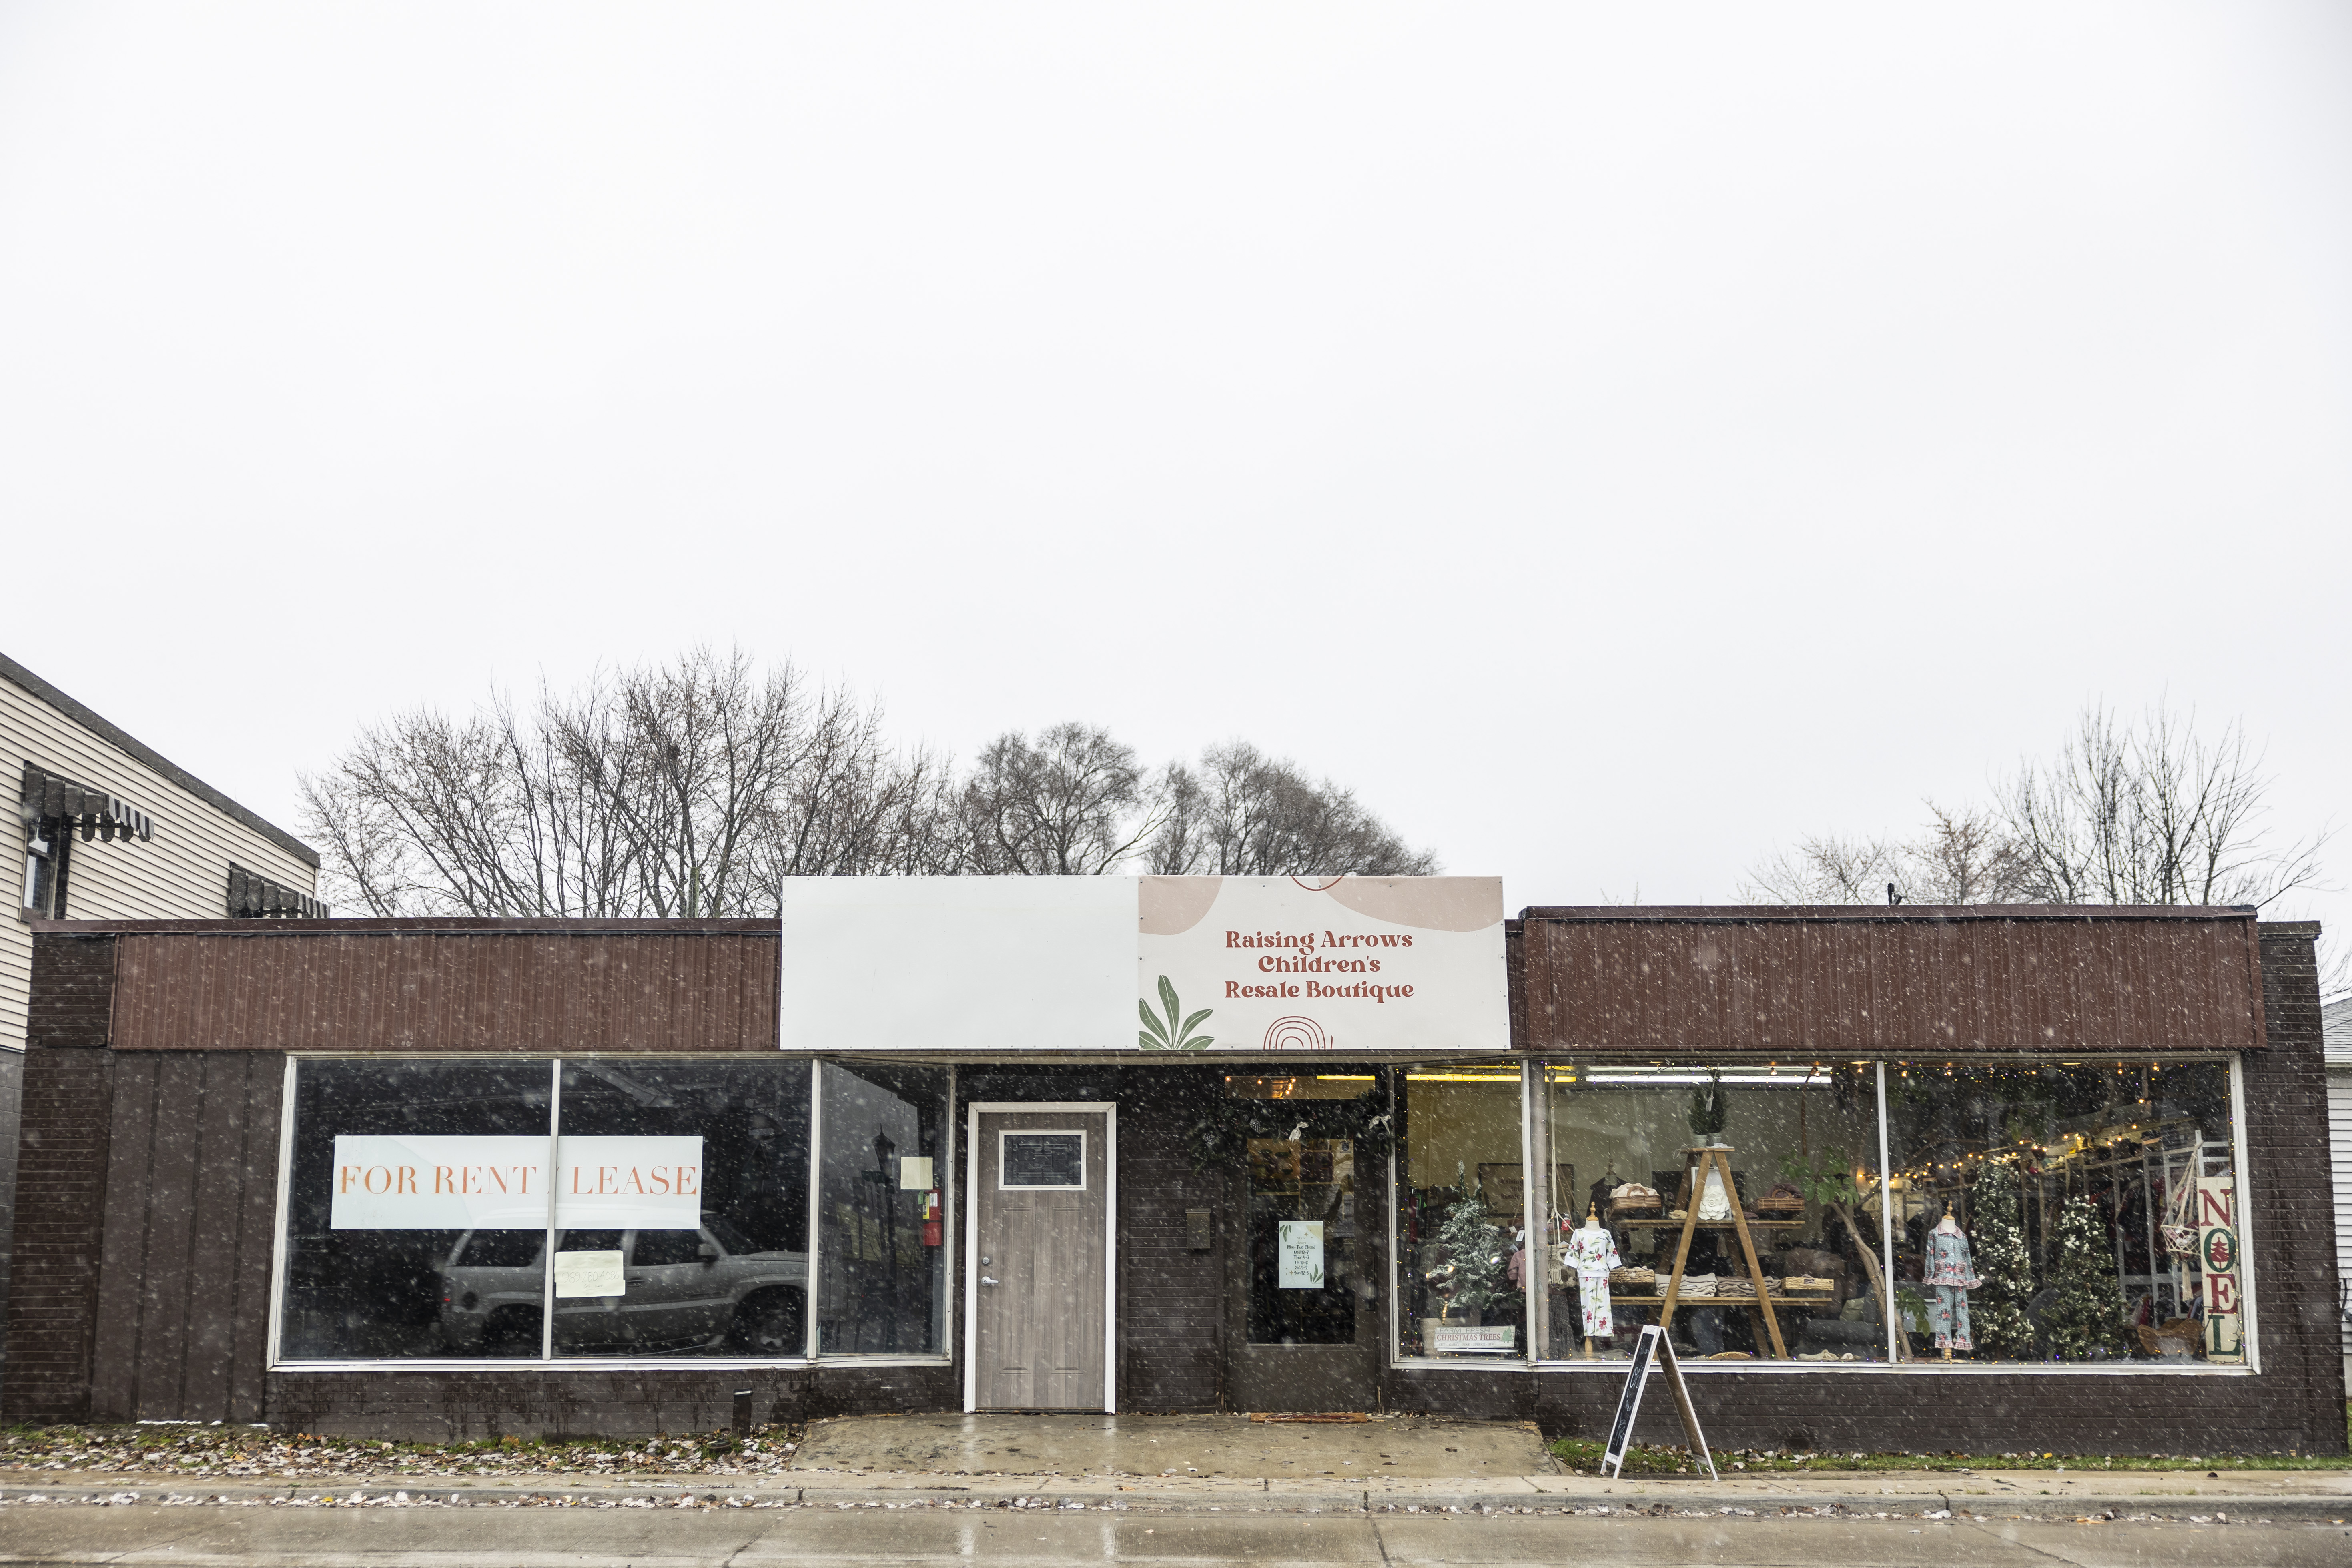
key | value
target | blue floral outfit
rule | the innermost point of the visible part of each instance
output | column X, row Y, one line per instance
column 1950, row 1274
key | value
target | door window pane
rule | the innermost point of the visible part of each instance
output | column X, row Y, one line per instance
column 2084, row 1196
column 1306, row 1253
column 1619, row 1140
column 1460, row 1259
column 397, row 1268
column 677, row 1153
column 882, row 1252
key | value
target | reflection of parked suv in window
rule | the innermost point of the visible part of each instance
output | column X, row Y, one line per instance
column 682, row 1290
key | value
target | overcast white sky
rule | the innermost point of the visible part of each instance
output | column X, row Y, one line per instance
column 1617, row 440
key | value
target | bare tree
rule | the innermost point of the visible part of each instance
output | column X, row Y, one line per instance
column 698, row 787
column 2151, row 814
column 1960, row 857
column 1072, row 805
column 682, row 789
column 2142, row 813
column 1243, row 813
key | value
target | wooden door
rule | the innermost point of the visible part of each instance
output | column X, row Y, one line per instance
column 1040, row 1251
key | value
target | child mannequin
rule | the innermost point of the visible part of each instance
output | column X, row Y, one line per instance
column 1592, row 1253
column 1949, row 1271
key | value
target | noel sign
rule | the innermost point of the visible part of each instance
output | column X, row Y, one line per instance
column 2217, row 1260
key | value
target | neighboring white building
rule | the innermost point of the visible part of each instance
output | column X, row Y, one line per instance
column 112, row 831
column 2336, row 1030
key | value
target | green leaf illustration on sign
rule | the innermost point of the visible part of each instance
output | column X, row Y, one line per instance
column 1175, row 1033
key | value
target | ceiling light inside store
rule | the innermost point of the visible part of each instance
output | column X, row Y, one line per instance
column 1767, row 1080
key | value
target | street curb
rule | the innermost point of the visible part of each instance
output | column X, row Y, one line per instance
column 1589, row 1503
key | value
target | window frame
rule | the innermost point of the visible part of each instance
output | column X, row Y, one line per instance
column 547, row 1361
column 1535, row 1136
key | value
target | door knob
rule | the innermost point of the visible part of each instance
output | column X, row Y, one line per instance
column 986, row 1280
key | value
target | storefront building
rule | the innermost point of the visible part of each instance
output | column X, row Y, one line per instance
column 1152, row 1144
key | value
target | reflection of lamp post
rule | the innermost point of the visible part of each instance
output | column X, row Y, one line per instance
column 883, row 1150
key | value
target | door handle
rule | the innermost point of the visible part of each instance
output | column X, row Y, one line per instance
column 986, row 1280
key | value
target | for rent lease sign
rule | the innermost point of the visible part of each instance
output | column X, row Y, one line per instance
column 500, row 1182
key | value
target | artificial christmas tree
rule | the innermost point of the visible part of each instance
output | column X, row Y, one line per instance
column 1997, row 1237
column 2086, row 1321
column 1472, row 1278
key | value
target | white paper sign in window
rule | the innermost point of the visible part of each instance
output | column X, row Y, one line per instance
column 495, row 1181
column 628, row 1184
column 579, row 1274
column 1299, row 1250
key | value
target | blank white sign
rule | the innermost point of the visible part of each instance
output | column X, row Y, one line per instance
column 958, row 963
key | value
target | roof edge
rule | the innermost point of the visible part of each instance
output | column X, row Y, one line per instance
column 411, row 926
column 1884, row 914
column 122, row 740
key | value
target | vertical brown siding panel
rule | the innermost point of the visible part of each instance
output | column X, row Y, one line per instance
column 216, row 1234
column 170, row 1235
column 114, row 1353
column 256, row 1237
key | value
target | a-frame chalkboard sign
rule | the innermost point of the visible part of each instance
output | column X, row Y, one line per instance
column 1651, row 1352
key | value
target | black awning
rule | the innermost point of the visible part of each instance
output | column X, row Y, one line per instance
column 56, row 798
column 255, row 897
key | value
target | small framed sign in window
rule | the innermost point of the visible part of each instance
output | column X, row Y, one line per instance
column 1050, row 1158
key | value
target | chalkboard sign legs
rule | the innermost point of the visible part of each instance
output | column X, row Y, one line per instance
column 1651, row 1352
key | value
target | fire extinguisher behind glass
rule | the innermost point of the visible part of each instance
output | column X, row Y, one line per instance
column 934, row 1223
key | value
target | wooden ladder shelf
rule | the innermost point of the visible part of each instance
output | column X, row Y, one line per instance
column 1696, row 1164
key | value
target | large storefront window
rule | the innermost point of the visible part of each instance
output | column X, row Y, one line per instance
column 881, row 1210
column 720, row 1269
column 368, row 1249
column 641, row 1207
column 2065, row 1210
column 2023, row 1211
column 1638, row 1153
column 1460, row 1212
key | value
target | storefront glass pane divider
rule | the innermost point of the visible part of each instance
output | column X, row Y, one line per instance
column 1886, row 1307
column 815, row 1277
column 2249, row 1342
column 1393, row 1285
column 944, row 1174
column 1534, row 1314
column 554, row 1172
column 280, row 1263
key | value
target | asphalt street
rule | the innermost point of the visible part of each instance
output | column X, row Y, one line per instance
column 199, row 1536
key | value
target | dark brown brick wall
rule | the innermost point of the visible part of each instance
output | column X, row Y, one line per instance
column 62, row 1157
column 1171, row 1302
column 2295, row 1403
column 451, row 1406
column 148, row 1200
column 183, row 1313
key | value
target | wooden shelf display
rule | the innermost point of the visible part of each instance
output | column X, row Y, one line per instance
column 1696, row 1164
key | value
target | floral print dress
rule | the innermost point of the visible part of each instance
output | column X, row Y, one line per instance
column 1591, row 1252
column 1951, row 1274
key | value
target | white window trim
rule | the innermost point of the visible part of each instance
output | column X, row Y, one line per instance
column 2248, row 1268
column 280, row 1250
